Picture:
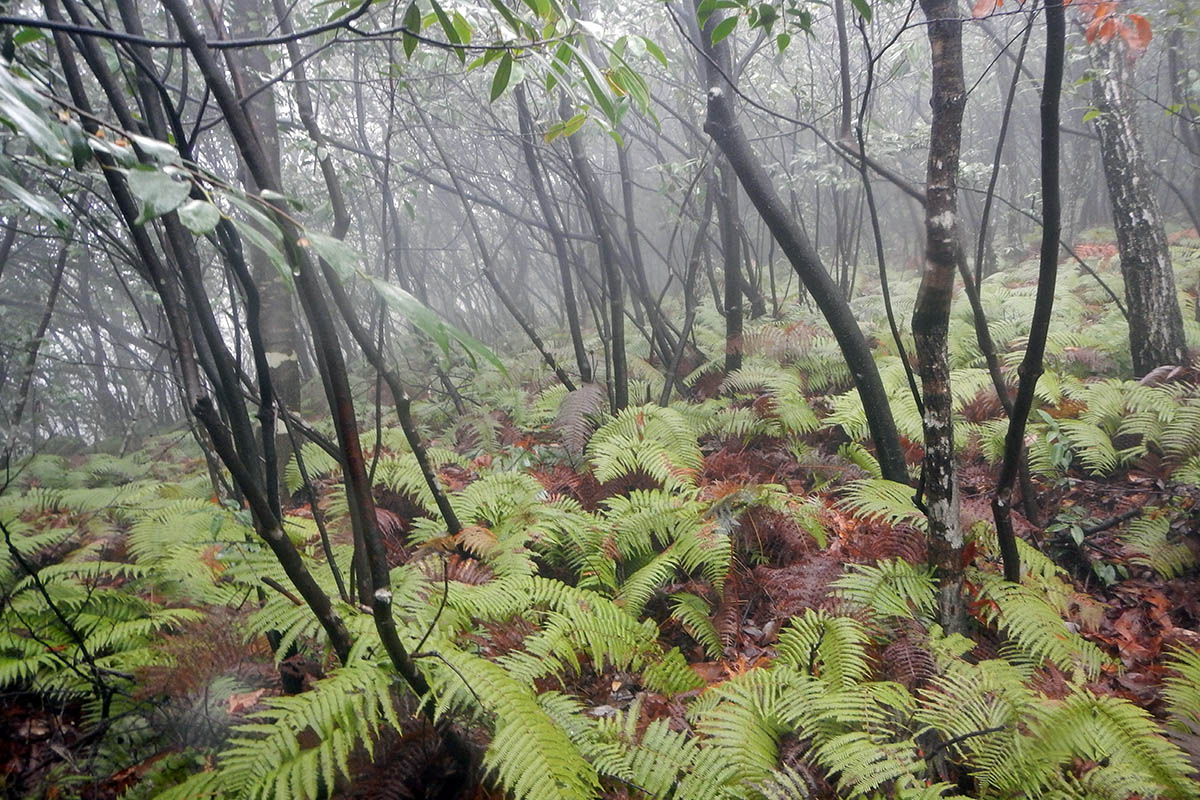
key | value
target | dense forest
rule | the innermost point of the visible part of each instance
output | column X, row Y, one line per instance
column 537, row 399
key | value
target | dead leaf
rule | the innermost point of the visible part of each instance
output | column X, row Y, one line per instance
column 240, row 702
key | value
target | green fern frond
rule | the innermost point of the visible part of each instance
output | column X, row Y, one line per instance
column 671, row 675
column 883, row 500
column 784, row 387
column 1035, row 626
column 832, row 648
column 1182, row 689
column 650, row 439
column 695, row 615
column 345, row 710
column 1153, row 543
column 318, row 463
column 529, row 754
column 889, row 588
column 1105, row 730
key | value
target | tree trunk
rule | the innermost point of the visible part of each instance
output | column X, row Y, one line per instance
column 613, row 284
column 249, row 68
column 731, row 250
column 725, row 131
column 931, row 316
column 1155, row 322
column 557, row 239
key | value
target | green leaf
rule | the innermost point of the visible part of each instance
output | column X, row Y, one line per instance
column 723, row 29
column 159, row 192
column 448, row 28
column 463, row 27
column 256, row 237
column 342, row 257
column 500, row 79
column 655, row 51
column 412, row 24
column 782, row 41
column 566, row 127
column 863, row 7
column 1091, row 114
column 27, row 36
column 36, row 203
column 199, row 217
column 280, row 200
column 24, row 111
column 162, row 152
column 427, row 321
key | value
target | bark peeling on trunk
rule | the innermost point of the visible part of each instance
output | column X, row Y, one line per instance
column 931, row 316
column 1155, row 322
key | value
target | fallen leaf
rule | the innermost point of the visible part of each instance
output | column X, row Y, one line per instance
column 241, row 702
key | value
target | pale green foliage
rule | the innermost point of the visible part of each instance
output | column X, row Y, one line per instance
column 889, row 588
column 344, row 711
column 649, row 439
column 791, row 414
column 1036, row 627
column 1182, row 689
column 1152, row 541
column 883, row 500
column 692, row 613
column 317, row 464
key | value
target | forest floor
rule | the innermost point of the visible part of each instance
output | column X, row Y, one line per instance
column 1119, row 602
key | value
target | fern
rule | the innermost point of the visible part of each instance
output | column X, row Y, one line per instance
column 344, row 711
column 649, row 439
column 694, row 614
column 529, row 754
column 317, row 464
column 783, row 387
column 1035, row 627
column 833, row 648
column 889, row 588
column 882, row 500
column 1154, row 544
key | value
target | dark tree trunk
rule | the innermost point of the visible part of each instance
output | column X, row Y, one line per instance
column 35, row 344
column 1155, row 321
column 931, row 316
column 731, row 250
column 1031, row 365
column 561, row 253
column 611, row 271
column 725, row 131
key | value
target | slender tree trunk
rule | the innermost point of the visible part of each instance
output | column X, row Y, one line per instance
column 725, row 131
column 731, row 250
column 561, row 253
column 1155, row 321
column 931, row 316
column 6, row 244
column 249, row 69
column 1031, row 365
column 610, row 270
column 35, row 344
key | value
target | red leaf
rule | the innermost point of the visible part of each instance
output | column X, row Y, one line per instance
column 1107, row 31
column 984, row 7
column 1136, row 33
column 1100, row 15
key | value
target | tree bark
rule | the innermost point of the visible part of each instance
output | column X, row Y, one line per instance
column 557, row 239
column 1031, row 365
column 611, row 271
column 35, row 344
column 731, row 251
column 931, row 316
column 722, row 126
column 1155, row 321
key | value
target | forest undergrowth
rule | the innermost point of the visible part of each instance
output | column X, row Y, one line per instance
column 715, row 598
